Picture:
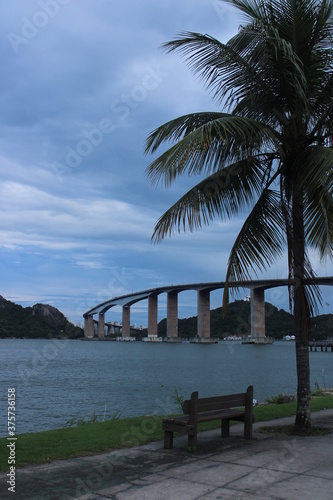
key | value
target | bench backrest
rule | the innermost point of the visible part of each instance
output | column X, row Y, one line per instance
column 196, row 405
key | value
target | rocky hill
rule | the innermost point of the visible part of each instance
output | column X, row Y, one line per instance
column 39, row 321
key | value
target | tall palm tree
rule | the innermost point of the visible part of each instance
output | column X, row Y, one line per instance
column 270, row 154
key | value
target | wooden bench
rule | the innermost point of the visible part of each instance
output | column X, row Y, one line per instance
column 224, row 408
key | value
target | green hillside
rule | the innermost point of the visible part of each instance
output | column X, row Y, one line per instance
column 322, row 327
column 237, row 322
column 39, row 321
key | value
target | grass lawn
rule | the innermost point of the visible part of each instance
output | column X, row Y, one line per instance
column 98, row 437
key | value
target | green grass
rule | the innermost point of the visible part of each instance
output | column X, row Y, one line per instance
column 98, row 437
column 87, row 439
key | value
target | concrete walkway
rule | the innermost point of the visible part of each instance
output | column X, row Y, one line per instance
column 267, row 468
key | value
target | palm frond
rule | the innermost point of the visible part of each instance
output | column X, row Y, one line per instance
column 217, row 64
column 314, row 169
column 205, row 142
column 259, row 242
column 318, row 222
column 223, row 194
column 318, row 186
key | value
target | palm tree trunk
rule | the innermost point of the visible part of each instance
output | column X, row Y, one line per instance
column 301, row 322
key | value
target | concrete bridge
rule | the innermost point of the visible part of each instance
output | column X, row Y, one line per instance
column 257, row 290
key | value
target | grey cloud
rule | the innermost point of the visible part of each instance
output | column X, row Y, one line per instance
column 80, row 91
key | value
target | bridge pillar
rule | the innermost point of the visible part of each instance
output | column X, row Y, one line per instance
column 203, row 314
column 152, row 316
column 101, row 326
column 258, row 313
column 89, row 327
column 126, row 329
column 172, row 316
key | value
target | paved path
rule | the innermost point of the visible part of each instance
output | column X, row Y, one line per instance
column 267, row 468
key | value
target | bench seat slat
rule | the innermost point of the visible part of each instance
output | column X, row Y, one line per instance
column 218, row 414
column 232, row 398
column 216, row 406
column 182, row 420
column 207, row 404
column 179, row 427
column 206, row 416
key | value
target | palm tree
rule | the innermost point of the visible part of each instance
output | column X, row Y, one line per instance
column 270, row 154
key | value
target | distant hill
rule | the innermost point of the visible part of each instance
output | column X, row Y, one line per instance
column 237, row 322
column 322, row 327
column 39, row 321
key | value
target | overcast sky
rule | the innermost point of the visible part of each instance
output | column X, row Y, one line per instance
column 83, row 83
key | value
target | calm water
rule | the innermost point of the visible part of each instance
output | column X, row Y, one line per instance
column 59, row 380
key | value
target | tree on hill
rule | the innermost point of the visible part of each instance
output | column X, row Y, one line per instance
column 270, row 154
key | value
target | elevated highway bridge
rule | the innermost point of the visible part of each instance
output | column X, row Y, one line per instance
column 257, row 290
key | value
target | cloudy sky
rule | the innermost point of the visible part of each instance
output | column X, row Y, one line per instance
column 83, row 83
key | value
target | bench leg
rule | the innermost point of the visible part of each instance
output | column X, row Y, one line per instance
column 168, row 440
column 247, row 429
column 192, row 441
column 225, row 428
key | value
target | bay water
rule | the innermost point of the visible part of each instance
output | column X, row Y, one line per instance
column 57, row 381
